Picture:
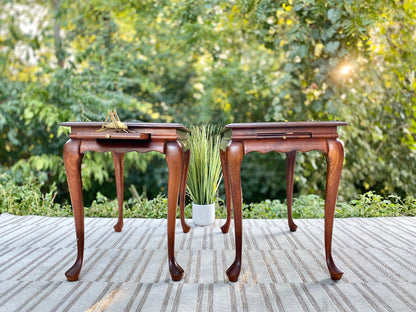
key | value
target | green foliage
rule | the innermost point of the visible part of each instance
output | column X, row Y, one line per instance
column 380, row 145
column 312, row 206
column 303, row 207
column 263, row 176
column 201, row 61
column 204, row 175
column 26, row 198
column 136, row 207
column 373, row 205
column 40, row 96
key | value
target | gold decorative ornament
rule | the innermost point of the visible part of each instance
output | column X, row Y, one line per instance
column 112, row 122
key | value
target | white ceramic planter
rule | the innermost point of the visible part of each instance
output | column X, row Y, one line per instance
column 203, row 214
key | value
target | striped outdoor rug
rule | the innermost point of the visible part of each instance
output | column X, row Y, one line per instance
column 282, row 271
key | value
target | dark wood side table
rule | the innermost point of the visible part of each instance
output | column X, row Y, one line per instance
column 166, row 138
column 283, row 137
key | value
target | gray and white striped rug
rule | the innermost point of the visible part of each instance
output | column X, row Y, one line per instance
column 282, row 271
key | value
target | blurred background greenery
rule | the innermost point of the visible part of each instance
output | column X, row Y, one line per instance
column 195, row 62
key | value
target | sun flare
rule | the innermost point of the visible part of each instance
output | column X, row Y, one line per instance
column 345, row 70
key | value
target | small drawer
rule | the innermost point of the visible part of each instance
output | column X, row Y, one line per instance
column 285, row 135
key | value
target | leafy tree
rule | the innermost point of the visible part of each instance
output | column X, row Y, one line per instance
column 382, row 88
column 201, row 61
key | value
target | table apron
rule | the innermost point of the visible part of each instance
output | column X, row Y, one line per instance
column 122, row 146
column 285, row 146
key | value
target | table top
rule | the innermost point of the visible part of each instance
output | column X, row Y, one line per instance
column 285, row 124
column 283, row 130
column 136, row 131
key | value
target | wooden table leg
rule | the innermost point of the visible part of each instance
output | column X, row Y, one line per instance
column 226, row 226
column 174, row 158
column 290, row 169
column 72, row 161
column 234, row 158
column 334, row 158
column 118, row 159
column 182, row 190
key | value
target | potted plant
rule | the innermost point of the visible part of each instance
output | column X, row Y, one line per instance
column 204, row 175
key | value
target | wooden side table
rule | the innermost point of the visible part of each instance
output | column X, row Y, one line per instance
column 166, row 138
column 283, row 137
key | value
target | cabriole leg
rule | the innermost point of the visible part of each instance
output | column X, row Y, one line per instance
column 182, row 190
column 290, row 169
column 72, row 161
column 174, row 158
column 226, row 226
column 118, row 159
column 234, row 158
column 334, row 158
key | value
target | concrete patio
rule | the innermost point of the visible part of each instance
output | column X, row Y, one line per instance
column 282, row 271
